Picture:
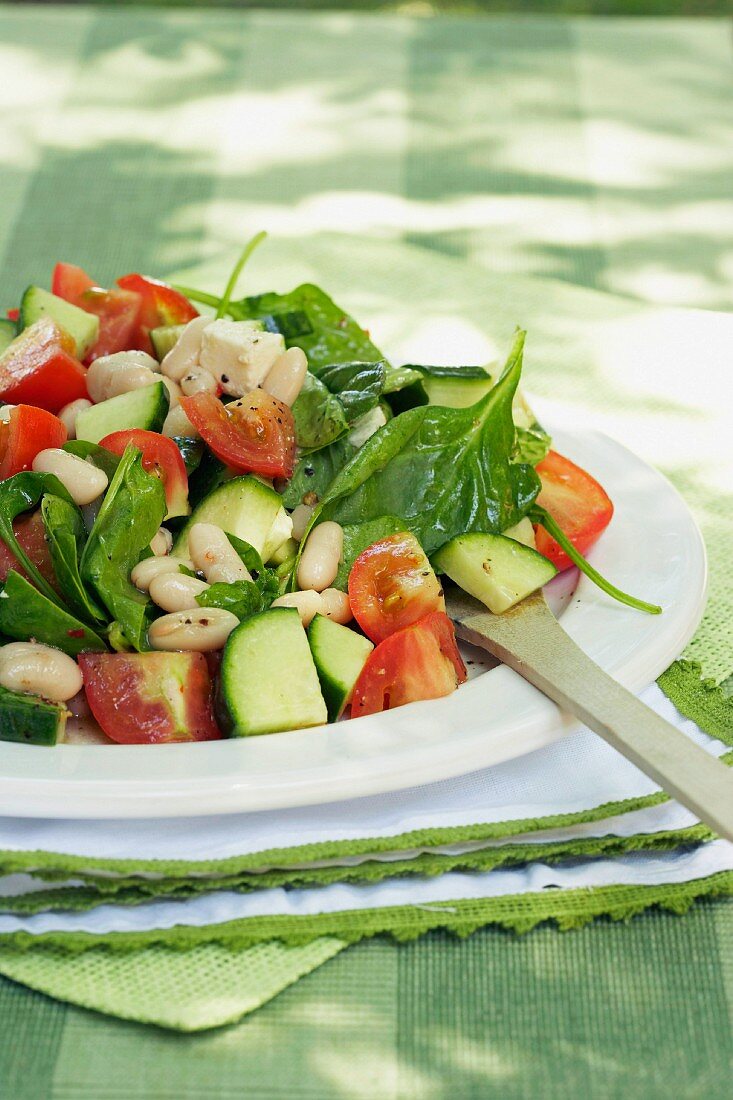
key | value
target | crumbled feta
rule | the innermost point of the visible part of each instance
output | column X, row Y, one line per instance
column 239, row 354
column 366, row 426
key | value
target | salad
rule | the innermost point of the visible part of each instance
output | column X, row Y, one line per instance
column 226, row 517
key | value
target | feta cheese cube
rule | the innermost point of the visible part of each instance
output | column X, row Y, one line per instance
column 239, row 354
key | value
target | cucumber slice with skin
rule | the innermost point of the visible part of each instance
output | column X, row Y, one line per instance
column 495, row 569
column 164, row 339
column 522, row 532
column 245, row 507
column 339, row 655
column 268, row 681
column 31, row 720
column 144, row 408
column 8, row 333
column 82, row 326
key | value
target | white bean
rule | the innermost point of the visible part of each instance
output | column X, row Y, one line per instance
column 177, row 424
column 213, row 554
column 143, row 573
column 184, row 355
column 161, row 542
column 112, row 375
column 69, row 413
column 174, row 391
column 301, row 517
column 198, row 380
column 199, row 631
column 308, row 604
column 39, row 670
column 319, row 562
column 336, row 605
column 82, row 480
column 6, row 412
column 286, row 376
column 176, row 591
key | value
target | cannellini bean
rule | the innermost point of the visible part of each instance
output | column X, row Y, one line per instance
column 308, row 604
column 143, row 573
column 177, row 423
column 198, row 380
column 184, row 355
column 335, row 605
column 5, row 413
column 319, row 562
column 301, row 517
column 213, row 554
column 125, row 379
column 286, row 376
column 176, row 591
column 69, row 413
column 112, row 375
column 82, row 480
column 200, row 631
column 174, row 392
column 39, row 670
column 161, row 542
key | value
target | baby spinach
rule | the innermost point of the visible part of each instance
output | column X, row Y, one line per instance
column 315, row 472
column 533, row 443
column 19, row 494
column 100, row 457
column 333, row 398
column 358, row 386
column 130, row 515
column 65, row 535
column 244, row 598
column 447, row 471
column 26, row 613
column 357, row 536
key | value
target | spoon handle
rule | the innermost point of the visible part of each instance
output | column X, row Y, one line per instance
column 529, row 639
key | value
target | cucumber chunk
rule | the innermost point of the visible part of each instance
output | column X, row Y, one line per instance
column 522, row 532
column 29, row 719
column 455, row 388
column 7, row 333
column 144, row 408
column 164, row 339
column 268, row 680
column 82, row 326
column 495, row 569
column 245, row 507
column 339, row 655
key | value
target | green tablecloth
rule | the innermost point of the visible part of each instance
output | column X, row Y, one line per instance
column 598, row 153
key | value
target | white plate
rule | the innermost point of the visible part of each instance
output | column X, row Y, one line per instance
column 652, row 549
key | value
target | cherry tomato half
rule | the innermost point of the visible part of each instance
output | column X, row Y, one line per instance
column 28, row 431
column 160, row 305
column 576, row 502
column 37, row 368
column 162, row 458
column 419, row 662
column 392, row 584
column 144, row 698
column 30, row 532
column 118, row 310
column 255, row 434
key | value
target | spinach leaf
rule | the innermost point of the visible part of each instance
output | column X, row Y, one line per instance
column 19, row 494
column 533, row 443
column 100, row 457
column 447, row 471
column 357, row 536
column 265, row 579
column 315, row 472
column 319, row 416
column 130, row 515
column 358, row 386
column 192, row 451
column 26, row 613
column 65, row 535
column 244, row 598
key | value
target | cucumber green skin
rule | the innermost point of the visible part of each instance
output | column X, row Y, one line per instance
column 339, row 655
column 30, row 720
column 456, row 393
column 165, row 338
column 496, row 570
column 8, row 333
column 144, row 408
column 268, row 682
column 82, row 326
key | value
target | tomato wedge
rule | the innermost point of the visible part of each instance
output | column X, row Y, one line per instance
column 118, row 310
column 37, row 368
column 160, row 457
column 145, row 698
column 255, row 434
column 392, row 584
column 160, row 305
column 28, row 431
column 30, row 532
column 576, row 502
column 419, row 662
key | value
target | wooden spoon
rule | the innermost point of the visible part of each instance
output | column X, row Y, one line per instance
column 530, row 640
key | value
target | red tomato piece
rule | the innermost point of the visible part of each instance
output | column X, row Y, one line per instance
column 28, row 431
column 30, row 532
column 576, row 502
column 392, row 584
column 37, row 368
column 13, row 314
column 162, row 458
column 148, row 698
column 160, row 305
column 255, row 434
column 419, row 662
column 118, row 310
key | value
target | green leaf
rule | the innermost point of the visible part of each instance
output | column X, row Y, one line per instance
column 130, row 515
column 65, row 535
column 100, row 457
column 19, row 494
column 319, row 416
column 357, row 536
column 358, row 386
column 242, row 598
column 192, row 451
column 315, row 472
column 533, row 443
column 26, row 613
column 265, row 579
